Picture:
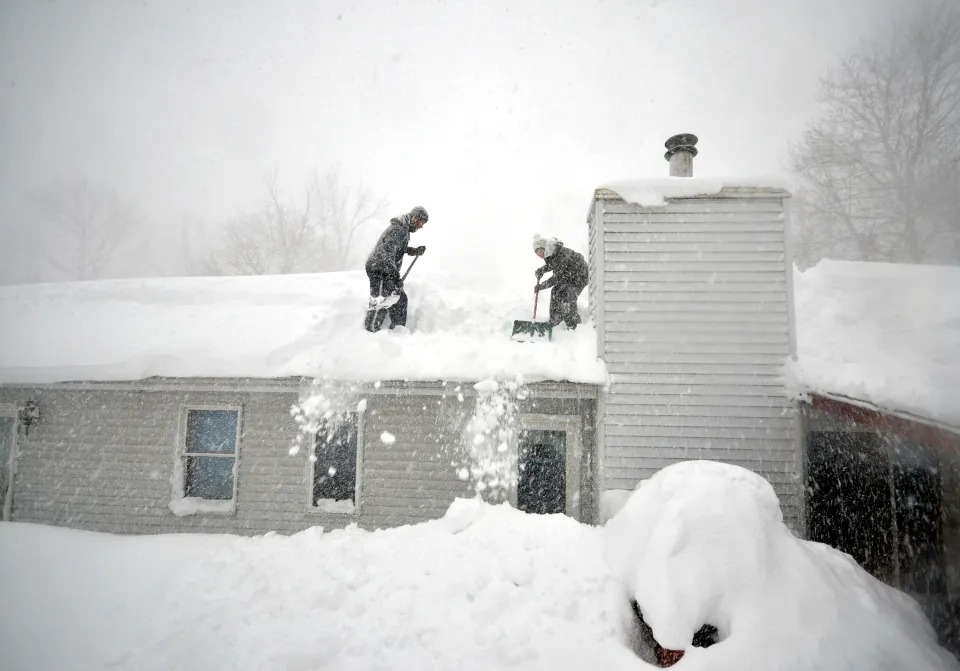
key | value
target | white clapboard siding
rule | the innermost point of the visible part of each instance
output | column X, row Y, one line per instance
column 694, row 317
column 103, row 459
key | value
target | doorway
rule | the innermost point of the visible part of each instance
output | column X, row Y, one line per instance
column 548, row 465
column 541, row 466
column 849, row 499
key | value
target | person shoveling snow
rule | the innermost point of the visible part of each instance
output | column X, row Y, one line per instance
column 570, row 275
column 383, row 270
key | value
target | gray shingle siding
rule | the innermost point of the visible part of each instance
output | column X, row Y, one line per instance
column 102, row 456
column 696, row 326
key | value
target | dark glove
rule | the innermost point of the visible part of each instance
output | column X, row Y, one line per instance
column 418, row 251
column 539, row 273
column 539, row 287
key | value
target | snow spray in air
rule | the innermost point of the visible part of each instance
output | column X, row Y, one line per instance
column 323, row 407
column 490, row 438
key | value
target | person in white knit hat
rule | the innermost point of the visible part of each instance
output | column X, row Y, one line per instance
column 570, row 275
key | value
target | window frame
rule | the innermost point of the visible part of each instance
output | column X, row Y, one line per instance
column 571, row 425
column 180, row 465
column 10, row 411
column 358, row 474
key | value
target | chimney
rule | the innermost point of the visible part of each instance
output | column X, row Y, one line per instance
column 680, row 153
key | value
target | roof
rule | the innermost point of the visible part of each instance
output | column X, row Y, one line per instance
column 656, row 191
column 887, row 334
column 279, row 326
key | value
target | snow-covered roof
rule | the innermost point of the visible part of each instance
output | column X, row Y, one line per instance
column 656, row 191
column 280, row 326
column 887, row 334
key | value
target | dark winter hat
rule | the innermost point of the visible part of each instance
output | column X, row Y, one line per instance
column 419, row 214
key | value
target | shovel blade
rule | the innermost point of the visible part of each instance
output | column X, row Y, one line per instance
column 527, row 331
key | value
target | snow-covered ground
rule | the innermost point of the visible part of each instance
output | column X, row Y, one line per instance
column 485, row 587
column 884, row 333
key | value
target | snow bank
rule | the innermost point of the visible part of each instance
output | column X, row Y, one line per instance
column 884, row 333
column 654, row 192
column 704, row 543
column 484, row 587
column 280, row 326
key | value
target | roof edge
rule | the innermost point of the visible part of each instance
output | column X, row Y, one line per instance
column 604, row 193
column 539, row 389
column 914, row 427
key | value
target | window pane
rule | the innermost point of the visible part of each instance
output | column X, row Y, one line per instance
column 209, row 478
column 211, row 431
column 335, row 470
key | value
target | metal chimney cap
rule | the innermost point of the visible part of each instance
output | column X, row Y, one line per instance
column 681, row 142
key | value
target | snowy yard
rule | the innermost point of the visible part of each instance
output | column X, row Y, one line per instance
column 485, row 587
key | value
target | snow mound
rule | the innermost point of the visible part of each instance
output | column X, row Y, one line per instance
column 884, row 333
column 704, row 543
column 484, row 587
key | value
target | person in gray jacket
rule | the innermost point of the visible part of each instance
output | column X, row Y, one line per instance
column 570, row 275
column 383, row 270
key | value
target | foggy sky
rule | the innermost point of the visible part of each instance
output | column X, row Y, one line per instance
column 499, row 117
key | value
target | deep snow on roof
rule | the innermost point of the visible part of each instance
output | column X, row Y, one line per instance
column 884, row 333
column 657, row 191
column 280, row 326
column 888, row 334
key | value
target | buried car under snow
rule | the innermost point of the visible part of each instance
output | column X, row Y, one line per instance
column 704, row 555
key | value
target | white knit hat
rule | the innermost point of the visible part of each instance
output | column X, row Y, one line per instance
column 539, row 242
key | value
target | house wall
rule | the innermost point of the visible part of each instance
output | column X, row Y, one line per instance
column 909, row 535
column 695, row 329
column 102, row 456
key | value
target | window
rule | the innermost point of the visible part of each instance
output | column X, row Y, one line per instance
column 209, row 464
column 8, row 457
column 334, row 465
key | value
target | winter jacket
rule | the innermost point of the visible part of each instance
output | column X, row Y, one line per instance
column 568, row 267
column 387, row 254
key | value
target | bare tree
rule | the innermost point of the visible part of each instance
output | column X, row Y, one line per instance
column 87, row 232
column 341, row 215
column 880, row 170
column 318, row 234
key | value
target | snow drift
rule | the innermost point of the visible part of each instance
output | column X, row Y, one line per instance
column 484, row 587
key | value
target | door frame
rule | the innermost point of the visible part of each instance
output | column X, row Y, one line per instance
column 10, row 411
column 571, row 426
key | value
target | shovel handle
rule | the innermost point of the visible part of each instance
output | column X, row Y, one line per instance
column 536, row 297
column 409, row 268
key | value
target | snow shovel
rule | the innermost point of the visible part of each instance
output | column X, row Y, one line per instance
column 532, row 331
column 384, row 302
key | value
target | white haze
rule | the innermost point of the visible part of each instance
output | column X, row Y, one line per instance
column 499, row 117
